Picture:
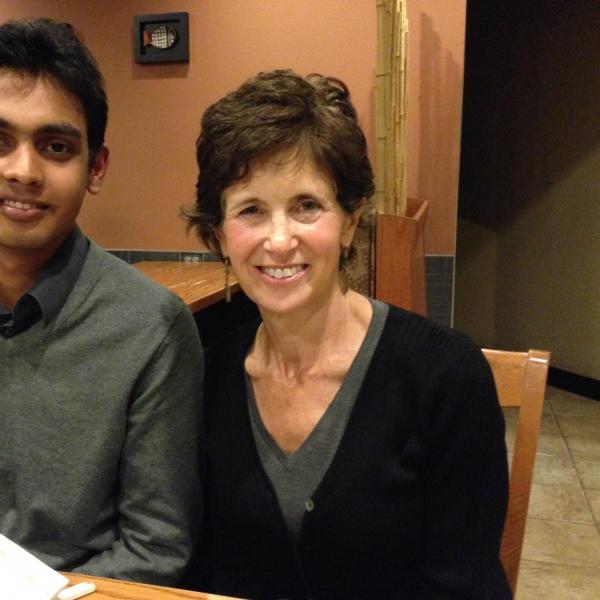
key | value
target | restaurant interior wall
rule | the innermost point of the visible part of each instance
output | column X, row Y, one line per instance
column 529, row 210
column 155, row 109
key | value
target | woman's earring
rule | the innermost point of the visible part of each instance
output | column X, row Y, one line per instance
column 227, row 264
column 344, row 257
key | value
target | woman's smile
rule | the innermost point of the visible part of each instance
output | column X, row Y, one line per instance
column 286, row 273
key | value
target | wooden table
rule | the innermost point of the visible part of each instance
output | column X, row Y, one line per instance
column 198, row 284
column 111, row 589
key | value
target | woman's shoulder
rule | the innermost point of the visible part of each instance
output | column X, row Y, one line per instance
column 225, row 393
column 439, row 362
column 426, row 350
column 233, row 346
column 418, row 333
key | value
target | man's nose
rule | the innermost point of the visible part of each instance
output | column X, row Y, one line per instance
column 22, row 165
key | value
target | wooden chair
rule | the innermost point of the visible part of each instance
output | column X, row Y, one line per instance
column 520, row 379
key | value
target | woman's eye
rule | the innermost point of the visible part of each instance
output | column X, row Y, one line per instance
column 309, row 205
column 249, row 211
column 308, row 210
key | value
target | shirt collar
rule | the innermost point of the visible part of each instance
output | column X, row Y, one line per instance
column 57, row 278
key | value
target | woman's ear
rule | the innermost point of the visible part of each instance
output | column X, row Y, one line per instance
column 98, row 170
column 351, row 223
column 221, row 239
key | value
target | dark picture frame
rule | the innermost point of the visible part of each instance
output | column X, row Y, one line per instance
column 144, row 25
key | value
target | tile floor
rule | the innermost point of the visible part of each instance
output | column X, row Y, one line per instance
column 561, row 555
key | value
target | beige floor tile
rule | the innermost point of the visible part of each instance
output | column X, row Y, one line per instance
column 584, row 446
column 565, row 403
column 554, row 470
column 562, row 543
column 549, row 424
column 509, row 438
column 543, row 581
column 547, row 407
column 594, row 498
column 561, row 555
column 548, row 443
column 552, row 443
column 559, row 503
column 510, row 417
column 579, row 425
column 589, row 472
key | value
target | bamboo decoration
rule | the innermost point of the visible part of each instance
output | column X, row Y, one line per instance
column 391, row 105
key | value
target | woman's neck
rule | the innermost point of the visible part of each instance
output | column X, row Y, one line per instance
column 296, row 344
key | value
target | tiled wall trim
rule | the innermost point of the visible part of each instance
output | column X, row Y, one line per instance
column 439, row 275
column 134, row 256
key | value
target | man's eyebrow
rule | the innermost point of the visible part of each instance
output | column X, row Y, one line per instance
column 61, row 128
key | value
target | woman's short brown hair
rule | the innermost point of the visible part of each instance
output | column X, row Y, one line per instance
column 273, row 112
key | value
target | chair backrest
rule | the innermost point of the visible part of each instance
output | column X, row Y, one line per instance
column 520, row 379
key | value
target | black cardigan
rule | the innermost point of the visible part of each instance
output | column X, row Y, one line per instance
column 413, row 503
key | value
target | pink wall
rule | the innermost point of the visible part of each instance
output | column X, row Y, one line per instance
column 155, row 110
column 436, row 66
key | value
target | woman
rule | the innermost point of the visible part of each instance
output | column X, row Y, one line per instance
column 354, row 450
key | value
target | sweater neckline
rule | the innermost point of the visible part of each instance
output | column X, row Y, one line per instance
column 41, row 330
column 359, row 415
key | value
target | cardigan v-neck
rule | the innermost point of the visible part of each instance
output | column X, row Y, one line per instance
column 295, row 477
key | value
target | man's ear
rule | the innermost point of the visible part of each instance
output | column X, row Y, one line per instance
column 98, row 170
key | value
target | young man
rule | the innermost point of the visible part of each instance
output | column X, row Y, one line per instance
column 100, row 369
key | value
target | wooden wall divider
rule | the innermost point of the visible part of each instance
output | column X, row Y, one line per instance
column 400, row 257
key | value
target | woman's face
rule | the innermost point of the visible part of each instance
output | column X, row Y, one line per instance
column 283, row 230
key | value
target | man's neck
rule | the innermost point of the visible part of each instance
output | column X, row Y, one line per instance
column 18, row 271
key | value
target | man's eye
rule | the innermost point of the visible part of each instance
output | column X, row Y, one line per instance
column 4, row 143
column 58, row 148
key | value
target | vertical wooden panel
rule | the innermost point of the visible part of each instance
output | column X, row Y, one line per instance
column 400, row 258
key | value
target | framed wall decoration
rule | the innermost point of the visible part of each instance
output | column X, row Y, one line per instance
column 161, row 38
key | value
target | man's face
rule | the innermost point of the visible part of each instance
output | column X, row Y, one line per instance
column 44, row 166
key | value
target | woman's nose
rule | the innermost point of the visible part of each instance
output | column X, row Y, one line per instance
column 22, row 165
column 281, row 236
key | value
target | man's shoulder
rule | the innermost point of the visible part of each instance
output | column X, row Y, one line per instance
column 120, row 284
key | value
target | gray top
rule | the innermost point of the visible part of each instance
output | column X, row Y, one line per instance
column 99, row 429
column 295, row 477
column 51, row 288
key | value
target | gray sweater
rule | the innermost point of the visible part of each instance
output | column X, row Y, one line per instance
column 99, row 427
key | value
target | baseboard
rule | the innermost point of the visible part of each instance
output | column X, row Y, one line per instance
column 571, row 382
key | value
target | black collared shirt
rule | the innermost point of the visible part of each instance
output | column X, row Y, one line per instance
column 50, row 290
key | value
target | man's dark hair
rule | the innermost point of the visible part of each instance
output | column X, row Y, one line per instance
column 271, row 113
column 45, row 48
